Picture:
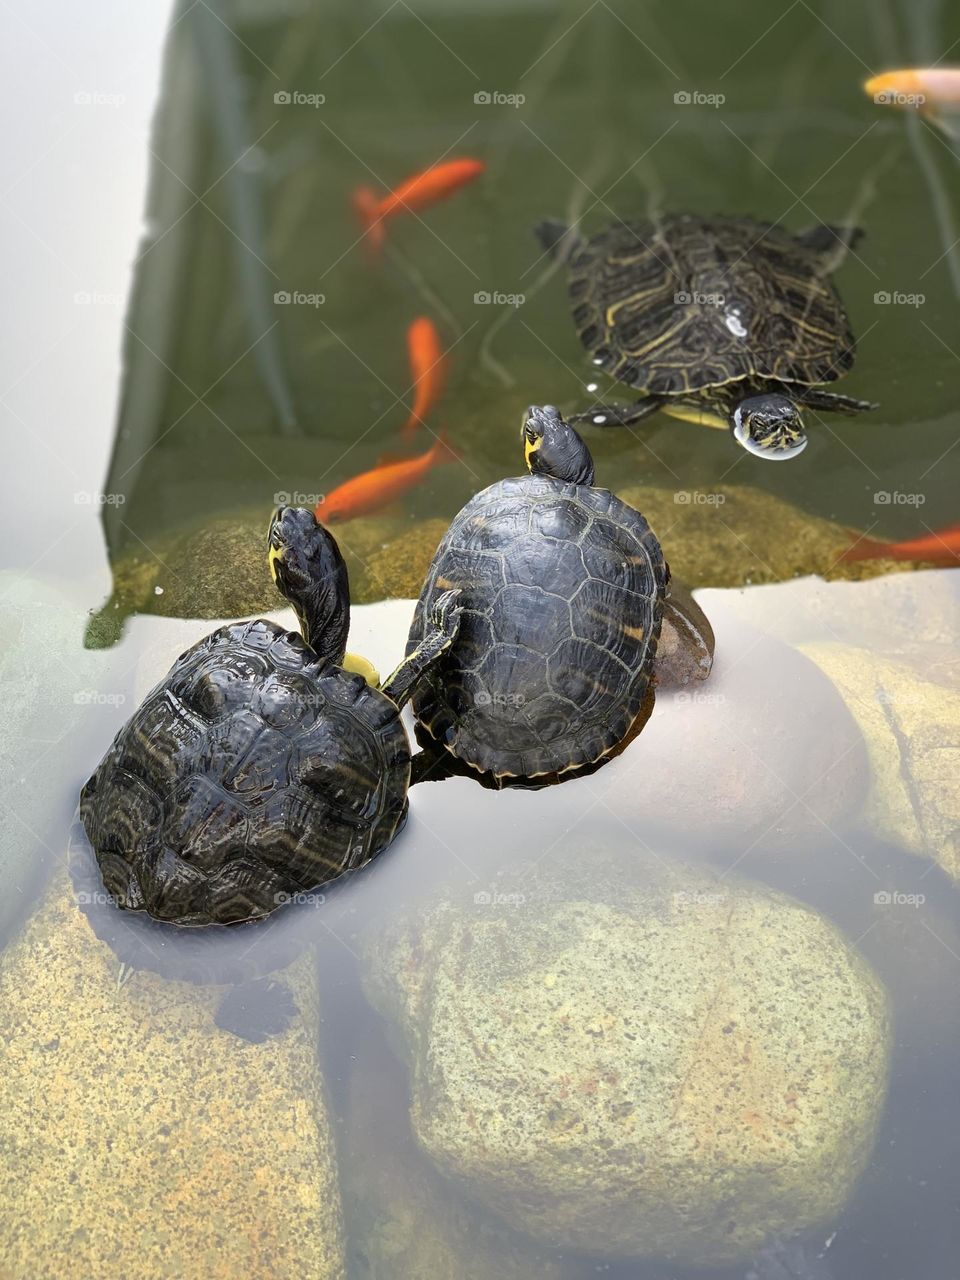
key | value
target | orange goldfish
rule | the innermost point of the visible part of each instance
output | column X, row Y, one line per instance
column 933, row 91
column 427, row 371
column 417, row 192
column 942, row 547
column 374, row 489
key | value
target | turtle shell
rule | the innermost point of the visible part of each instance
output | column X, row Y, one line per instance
column 254, row 772
column 561, row 591
column 677, row 306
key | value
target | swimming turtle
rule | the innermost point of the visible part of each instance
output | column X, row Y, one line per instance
column 563, row 590
column 258, row 769
column 726, row 322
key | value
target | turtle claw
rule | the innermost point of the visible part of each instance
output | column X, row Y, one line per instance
column 446, row 612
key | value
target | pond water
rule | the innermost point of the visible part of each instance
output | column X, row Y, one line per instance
column 692, row 1015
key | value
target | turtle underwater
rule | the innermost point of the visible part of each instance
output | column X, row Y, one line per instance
column 728, row 322
column 259, row 769
column 563, row 593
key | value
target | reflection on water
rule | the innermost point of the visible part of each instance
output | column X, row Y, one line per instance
column 690, row 1015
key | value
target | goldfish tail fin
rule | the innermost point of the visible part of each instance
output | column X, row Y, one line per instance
column 366, row 206
column 409, row 428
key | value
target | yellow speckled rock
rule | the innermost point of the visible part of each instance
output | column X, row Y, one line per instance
column 399, row 568
column 912, row 730
column 139, row 1139
column 404, row 1221
column 736, row 535
column 684, row 1068
column 220, row 569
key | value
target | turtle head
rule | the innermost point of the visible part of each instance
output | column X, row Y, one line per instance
column 769, row 426
column 308, row 570
column 552, row 447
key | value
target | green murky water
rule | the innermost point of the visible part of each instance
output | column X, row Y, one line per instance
column 464, row 1094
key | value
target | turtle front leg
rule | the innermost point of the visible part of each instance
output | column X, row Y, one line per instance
column 440, row 635
column 830, row 401
column 618, row 415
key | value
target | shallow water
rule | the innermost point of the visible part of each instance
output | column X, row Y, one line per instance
column 818, row 762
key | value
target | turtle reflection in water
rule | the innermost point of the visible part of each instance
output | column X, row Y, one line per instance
column 722, row 321
column 259, row 769
column 563, row 591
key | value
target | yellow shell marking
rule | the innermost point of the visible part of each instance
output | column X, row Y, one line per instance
column 702, row 416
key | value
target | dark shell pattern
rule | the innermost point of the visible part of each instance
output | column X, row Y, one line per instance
column 254, row 770
column 562, row 591
column 684, row 304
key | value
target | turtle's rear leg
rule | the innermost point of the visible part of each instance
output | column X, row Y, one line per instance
column 830, row 401
column 432, row 764
column 832, row 244
column 618, row 415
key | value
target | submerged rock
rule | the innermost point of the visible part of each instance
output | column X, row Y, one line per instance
column 139, row 1138
column 735, row 535
column 764, row 749
column 641, row 1060
column 912, row 729
column 49, row 683
column 913, row 617
column 399, row 567
column 404, row 1221
column 219, row 570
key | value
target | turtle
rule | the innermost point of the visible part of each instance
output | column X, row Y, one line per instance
column 728, row 322
column 259, row 769
column 563, row 592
